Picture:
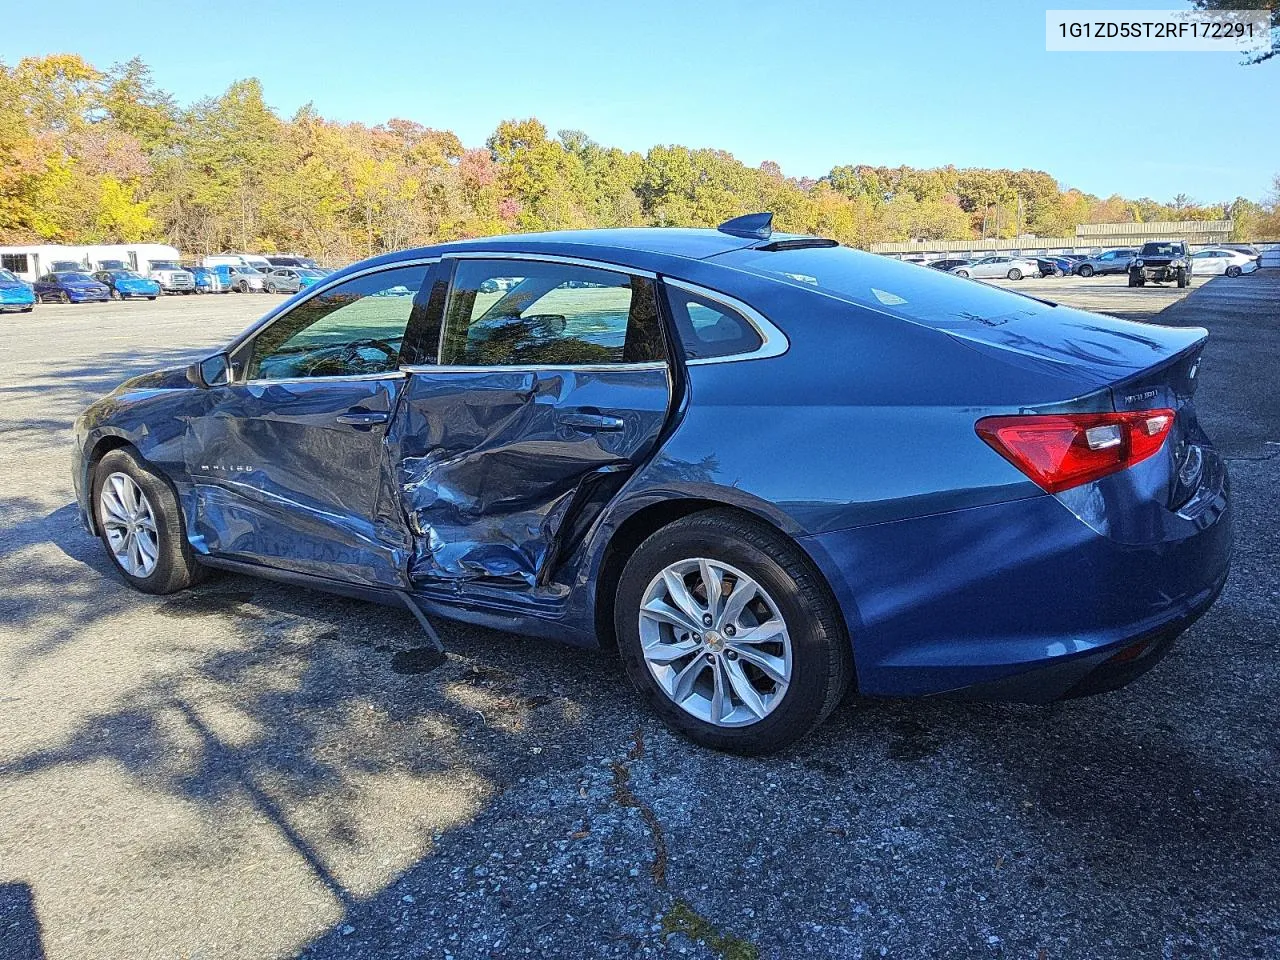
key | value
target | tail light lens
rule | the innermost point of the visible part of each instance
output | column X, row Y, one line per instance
column 1063, row 450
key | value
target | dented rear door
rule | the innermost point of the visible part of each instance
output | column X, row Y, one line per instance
column 553, row 387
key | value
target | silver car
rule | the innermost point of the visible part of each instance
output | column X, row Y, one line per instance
column 282, row 280
column 1002, row 265
column 1110, row 261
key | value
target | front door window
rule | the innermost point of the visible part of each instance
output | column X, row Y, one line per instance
column 355, row 328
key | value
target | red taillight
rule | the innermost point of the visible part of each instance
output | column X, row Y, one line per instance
column 1062, row 450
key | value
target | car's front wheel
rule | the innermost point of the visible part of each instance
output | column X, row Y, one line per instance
column 963, row 273
column 1182, row 277
column 140, row 523
column 730, row 634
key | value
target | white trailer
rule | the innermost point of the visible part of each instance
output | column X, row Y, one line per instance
column 34, row 261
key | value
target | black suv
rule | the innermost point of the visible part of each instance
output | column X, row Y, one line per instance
column 1161, row 261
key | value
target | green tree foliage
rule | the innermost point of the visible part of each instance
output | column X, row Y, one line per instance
column 95, row 156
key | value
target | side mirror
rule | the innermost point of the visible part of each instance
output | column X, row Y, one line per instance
column 210, row 372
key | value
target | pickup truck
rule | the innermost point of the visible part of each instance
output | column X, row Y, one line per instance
column 1161, row 261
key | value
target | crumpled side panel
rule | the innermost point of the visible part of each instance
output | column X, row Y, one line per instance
column 279, row 480
column 489, row 472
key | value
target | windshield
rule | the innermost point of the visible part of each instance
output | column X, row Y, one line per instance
column 250, row 271
column 928, row 296
column 312, row 273
column 75, row 276
column 6, row 275
column 1161, row 249
column 125, row 275
column 165, row 265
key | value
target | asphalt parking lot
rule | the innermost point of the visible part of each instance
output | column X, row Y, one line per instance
column 249, row 770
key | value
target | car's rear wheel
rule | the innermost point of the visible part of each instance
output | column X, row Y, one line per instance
column 1015, row 274
column 1234, row 271
column 1086, row 271
column 140, row 523
column 730, row 634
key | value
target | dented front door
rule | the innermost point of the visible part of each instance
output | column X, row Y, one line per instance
column 554, row 386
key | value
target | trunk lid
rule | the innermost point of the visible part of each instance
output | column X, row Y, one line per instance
column 1093, row 350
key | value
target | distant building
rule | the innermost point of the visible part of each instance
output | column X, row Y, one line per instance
column 1089, row 238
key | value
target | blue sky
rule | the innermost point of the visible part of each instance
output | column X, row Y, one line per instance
column 808, row 84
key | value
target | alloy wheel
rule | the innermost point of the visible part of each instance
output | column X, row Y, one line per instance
column 715, row 642
column 130, row 525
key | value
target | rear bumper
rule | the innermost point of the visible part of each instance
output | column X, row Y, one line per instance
column 1016, row 601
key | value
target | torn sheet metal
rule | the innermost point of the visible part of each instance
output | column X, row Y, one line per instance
column 493, row 466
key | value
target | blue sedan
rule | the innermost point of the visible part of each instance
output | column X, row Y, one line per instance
column 70, row 286
column 16, row 295
column 765, row 468
column 127, row 285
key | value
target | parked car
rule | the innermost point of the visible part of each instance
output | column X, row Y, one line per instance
column 292, row 279
column 242, row 279
column 950, row 263
column 1109, row 261
column 16, row 295
column 293, row 261
column 1014, row 268
column 208, row 281
column 172, row 277
column 1159, row 261
column 1248, row 249
column 70, row 286
column 126, row 285
column 969, row 501
column 1054, row 266
column 1218, row 261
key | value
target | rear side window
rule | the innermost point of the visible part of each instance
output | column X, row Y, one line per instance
column 709, row 329
column 536, row 313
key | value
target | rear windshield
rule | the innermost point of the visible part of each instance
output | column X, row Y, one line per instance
column 1161, row 249
column 914, row 293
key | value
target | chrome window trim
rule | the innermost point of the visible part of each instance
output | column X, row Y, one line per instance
column 313, row 291
column 397, row 374
column 549, row 258
column 773, row 342
column 538, row 367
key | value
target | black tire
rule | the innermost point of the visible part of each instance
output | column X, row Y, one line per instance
column 242, row 287
column 150, row 298
column 963, row 273
column 1234, row 271
column 176, row 567
column 1086, row 271
column 1182, row 277
column 115, row 294
column 1015, row 274
column 1134, row 281
column 822, row 661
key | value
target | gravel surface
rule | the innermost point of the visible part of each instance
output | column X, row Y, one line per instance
column 246, row 770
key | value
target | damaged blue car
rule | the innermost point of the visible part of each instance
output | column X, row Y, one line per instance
column 765, row 467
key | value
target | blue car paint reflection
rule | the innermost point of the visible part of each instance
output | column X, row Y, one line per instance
column 851, row 431
column 16, row 295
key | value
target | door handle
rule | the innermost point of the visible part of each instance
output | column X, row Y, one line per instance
column 592, row 422
column 362, row 418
